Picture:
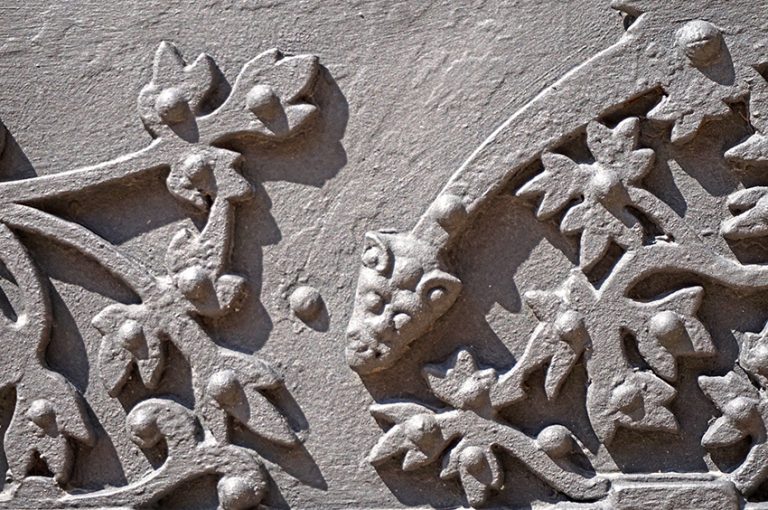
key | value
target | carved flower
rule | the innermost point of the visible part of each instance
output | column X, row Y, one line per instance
column 601, row 217
column 130, row 339
column 460, row 383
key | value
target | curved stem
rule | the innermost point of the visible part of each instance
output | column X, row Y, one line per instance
column 528, row 132
column 154, row 156
column 34, row 324
column 130, row 271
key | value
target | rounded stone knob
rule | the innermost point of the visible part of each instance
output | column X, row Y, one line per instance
column 42, row 413
column 701, row 41
column 262, row 101
column 239, row 493
column 306, row 303
column 172, row 106
column 555, row 440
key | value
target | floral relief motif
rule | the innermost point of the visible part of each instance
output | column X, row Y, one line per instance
column 633, row 316
column 201, row 145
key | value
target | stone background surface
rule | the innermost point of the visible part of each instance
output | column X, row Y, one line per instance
column 420, row 85
column 410, row 89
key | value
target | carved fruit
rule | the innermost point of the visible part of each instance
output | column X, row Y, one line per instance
column 131, row 335
column 740, row 409
column 193, row 282
column 667, row 326
column 449, row 211
column 224, row 388
column 306, row 303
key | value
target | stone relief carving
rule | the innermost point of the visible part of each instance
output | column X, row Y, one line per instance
column 586, row 156
column 203, row 134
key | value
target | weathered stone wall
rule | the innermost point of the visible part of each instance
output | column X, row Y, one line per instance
column 546, row 312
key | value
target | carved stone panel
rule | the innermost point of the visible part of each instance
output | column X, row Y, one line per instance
column 384, row 255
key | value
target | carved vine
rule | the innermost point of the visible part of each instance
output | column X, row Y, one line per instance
column 702, row 75
column 199, row 144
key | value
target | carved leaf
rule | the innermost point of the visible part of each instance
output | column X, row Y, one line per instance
column 750, row 207
column 419, row 439
column 667, row 328
column 129, row 339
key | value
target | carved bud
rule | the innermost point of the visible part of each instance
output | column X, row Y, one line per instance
column 701, row 42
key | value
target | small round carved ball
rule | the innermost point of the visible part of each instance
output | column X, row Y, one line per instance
column 739, row 409
column 306, row 302
column 172, row 106
column 626, row 396
column 604, row 183
column 262, row 101
column 42, row 413
column 192, row 282
column 701, row 41
column 224, row 387
column 472, row 458
column 420, row 426
column 666, row 326
column 142, row 428
column 758, row 358
column 555, row 440
column 131, row 334
column 569, row 324
column 449, row 211
column 239, row 493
